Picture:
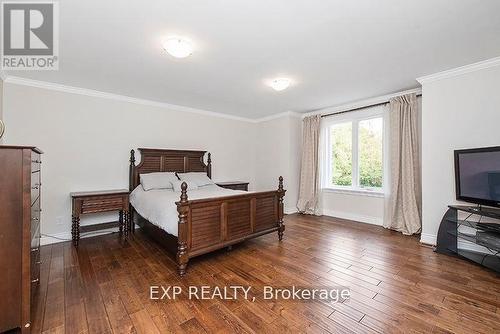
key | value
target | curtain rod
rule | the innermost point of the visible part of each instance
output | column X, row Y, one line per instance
column 359, row 108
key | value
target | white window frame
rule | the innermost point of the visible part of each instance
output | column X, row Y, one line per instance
column 355, row 118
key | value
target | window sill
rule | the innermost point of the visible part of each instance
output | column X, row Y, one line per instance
column 354, row 192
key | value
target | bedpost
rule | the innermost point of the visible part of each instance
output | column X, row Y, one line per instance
column 281, row 194
column 209, row 165
column 130, row 188
column 131, row 171
column 182, row 209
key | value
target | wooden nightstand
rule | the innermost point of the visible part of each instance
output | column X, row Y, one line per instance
column 99, row 201
column 235, row 185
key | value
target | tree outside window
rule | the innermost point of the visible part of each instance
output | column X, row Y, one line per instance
column 356, row 154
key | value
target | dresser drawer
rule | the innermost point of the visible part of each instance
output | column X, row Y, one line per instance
column 35, row 208
column 35, row 214
column 35, row 239
column 36, row 162
column 35, row 178
column 91, row 205
column 35, row 284
column 35, row 278
column 35, row 264
column 35, row 234
column 35, row 192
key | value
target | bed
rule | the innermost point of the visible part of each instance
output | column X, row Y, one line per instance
column 190, row 223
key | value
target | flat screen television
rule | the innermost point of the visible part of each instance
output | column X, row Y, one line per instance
column 477, row 175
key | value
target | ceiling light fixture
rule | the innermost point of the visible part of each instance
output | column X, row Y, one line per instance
column 280, row 84
column 178, row 47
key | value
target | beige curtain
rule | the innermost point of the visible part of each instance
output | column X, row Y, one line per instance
column 309, row 170
column 404, row 199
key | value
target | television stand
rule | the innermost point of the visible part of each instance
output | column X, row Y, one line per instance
column 471, row 237
column 480, row 210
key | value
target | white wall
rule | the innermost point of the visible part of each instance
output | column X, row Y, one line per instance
column 363, row 208
column 295, row 153
column 278, row 153
column 460, row 111
column 87, row 140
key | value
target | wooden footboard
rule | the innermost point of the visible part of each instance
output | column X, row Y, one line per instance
column 209, row 224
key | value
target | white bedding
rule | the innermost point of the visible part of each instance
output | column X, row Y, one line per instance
column 158, row 205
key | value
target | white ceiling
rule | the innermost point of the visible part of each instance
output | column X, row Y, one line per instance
column 335, row 51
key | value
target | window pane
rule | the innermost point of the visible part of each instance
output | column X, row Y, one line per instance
column 370, row 153
column 341, row 168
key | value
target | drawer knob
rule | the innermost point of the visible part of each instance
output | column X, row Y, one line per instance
column 35, row 219
column 27, row 325
column 35, row 280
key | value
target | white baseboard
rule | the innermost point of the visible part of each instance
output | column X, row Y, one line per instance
column 55, row 238
column 289, row 211
column 352, row 216
column 66, row 236
column 428, row 239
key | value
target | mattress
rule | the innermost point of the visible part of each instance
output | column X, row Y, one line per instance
column 159, row 208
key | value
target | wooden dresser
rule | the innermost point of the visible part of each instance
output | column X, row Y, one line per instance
column 20, row 188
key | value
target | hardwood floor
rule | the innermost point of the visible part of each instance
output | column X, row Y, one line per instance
column 397, row 285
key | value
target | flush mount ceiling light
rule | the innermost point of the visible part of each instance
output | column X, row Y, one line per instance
column 280, row 84
column 178, row 47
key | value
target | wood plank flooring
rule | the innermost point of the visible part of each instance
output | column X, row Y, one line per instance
column 397, row 285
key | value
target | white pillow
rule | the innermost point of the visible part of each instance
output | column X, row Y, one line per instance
column 200, row 178
column 177, row 185
column 162, row 180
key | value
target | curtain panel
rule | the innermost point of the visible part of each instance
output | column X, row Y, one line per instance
column 403, row 205
column 309, row 171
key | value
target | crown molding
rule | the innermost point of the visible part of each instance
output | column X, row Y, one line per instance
column 279, row 115
column 460, row 70
column 100, row 94
column 362, row 103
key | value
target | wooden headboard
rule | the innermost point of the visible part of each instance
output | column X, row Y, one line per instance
column 159, row 160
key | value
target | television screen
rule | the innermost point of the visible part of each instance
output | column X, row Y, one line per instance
column 478, row 175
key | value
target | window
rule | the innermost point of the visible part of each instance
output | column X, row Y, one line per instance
column 370, row 153
column 354, row 154
column 341, row 154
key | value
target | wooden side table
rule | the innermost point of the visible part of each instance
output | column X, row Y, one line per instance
column 234, row 185
column 99, row 201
